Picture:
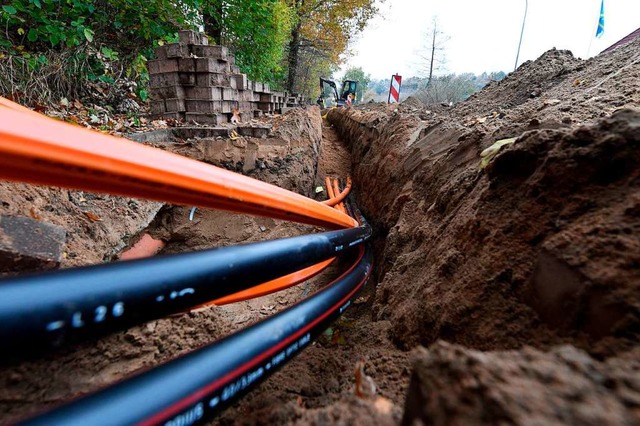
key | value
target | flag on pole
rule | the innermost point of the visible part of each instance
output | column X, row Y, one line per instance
column 600, row 29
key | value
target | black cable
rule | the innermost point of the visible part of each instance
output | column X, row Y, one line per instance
column 48, row 309
column 200, row 384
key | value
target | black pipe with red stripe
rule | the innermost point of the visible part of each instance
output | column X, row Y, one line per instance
column 199, row 385
column 45, row 310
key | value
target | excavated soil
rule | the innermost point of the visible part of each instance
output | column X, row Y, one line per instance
column 503, row 293
column 539, row 248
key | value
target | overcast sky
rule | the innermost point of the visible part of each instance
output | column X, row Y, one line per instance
column 484, row 34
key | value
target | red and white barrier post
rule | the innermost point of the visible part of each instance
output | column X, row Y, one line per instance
column 394, row 89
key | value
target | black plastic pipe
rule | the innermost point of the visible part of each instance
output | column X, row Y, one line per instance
column 198, row 385
column 48, row 309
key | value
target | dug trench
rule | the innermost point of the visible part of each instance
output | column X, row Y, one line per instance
column 506, row 281
column 297, row 154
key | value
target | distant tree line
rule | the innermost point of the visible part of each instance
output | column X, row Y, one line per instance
column 441, row 89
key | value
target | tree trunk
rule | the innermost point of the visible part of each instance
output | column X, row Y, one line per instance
column 213, row 21
column 433, row 54
column 294, row 47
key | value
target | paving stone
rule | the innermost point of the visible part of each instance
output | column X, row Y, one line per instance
column 186, row 65
column 157, row 93
column 158, row 107
column 211, row 65
column 160, row 52
column 193, row 105
column 245, row 95
column 265, row 106
column 204, row 93
column 241, row 81
column 189, row 37
column 177, row 50
column 175, row 105
column 214, row 52
column 27, row 244
column 199, row 132
column 214, row 119
column 227, row 106
column 187, row 79
column 162, row 66
column 229, row 94
column 266, row 98
column 211, row 79
column 164, row 80
column 245, row 106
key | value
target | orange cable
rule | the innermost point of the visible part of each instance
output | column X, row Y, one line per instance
column 274, row 285
column 327, row 181
column 336, row 189
column 40, row 150
column 341, row 196
column 283, row 282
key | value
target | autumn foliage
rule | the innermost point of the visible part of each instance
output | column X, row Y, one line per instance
column 57, row 47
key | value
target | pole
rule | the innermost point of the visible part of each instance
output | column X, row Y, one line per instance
column 591, row 37
column 524, row 19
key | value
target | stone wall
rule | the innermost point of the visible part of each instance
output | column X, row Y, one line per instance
column 195, row 82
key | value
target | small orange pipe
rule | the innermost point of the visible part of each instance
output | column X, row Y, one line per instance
column 336, row 190
column 40, row 150
column 327, row 181
column 147, row 246
column 338, row 198
column 273, row 285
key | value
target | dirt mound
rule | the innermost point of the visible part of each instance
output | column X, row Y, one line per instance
column 542, row 246
column 97, row 226
column 454, row 385
column 530, row 80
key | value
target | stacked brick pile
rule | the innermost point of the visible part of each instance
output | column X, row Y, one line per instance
column 193, row 81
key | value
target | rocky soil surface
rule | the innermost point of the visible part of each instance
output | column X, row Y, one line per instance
column 537, row 245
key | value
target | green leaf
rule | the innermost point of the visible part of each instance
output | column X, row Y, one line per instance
column 144, row 95
column 9, row 9
column 37, row 3
column 54, row 39
column 32, row 35
column 88, row 34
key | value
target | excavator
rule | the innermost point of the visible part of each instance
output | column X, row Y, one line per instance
column 330, row 97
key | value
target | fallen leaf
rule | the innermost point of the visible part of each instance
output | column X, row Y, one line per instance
column 94, row 217
column 77, row 104
column 488, row 154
